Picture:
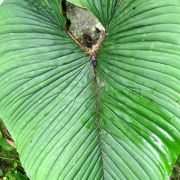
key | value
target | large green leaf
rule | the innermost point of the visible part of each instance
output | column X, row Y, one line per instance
column 68, row 126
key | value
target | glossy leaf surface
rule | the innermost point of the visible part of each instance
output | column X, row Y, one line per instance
column 67, row 126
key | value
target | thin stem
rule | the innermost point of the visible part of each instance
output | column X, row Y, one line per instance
column 11, row 143
column 77, row 42
column 97, row 47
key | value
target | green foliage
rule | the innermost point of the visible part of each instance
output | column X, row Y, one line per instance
column 13, row 173
column 4, row 144
column 70, row 120
column 10, row 166
column 1, row 173
column 176, row 170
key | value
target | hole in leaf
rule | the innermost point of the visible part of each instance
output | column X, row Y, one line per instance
column 83, row 25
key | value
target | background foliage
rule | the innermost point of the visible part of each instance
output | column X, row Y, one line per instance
column 10, row 165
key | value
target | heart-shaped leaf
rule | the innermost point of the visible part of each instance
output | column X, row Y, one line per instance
column 73, row 120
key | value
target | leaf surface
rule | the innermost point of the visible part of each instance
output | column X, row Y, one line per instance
column 77, row 3
column 102, row 9
column 68, row 126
